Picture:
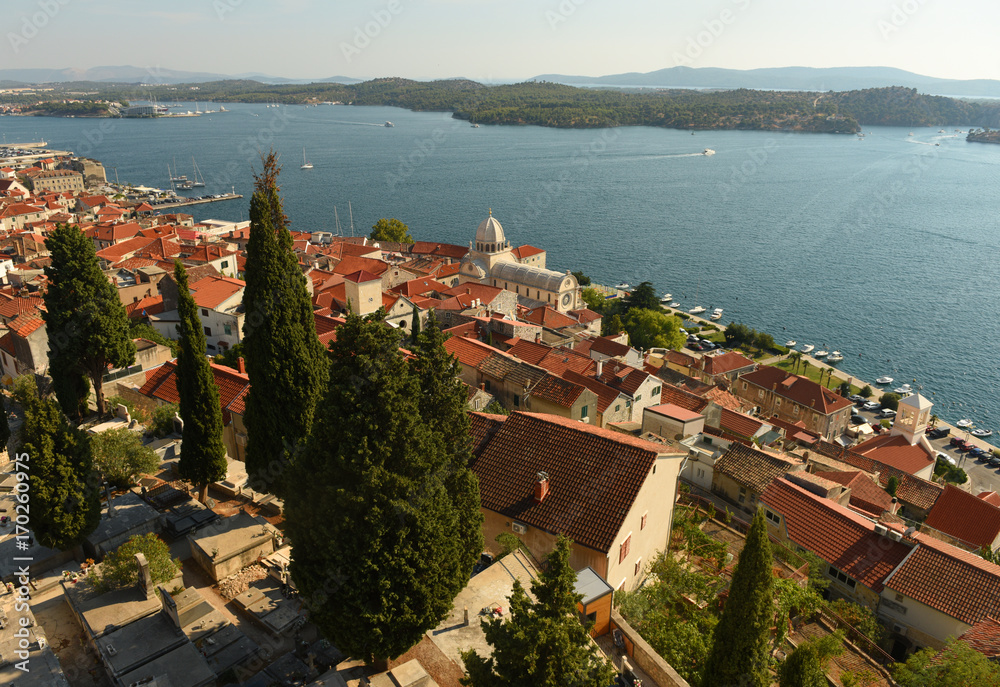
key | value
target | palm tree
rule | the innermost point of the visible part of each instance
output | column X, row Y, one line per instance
column 796, row 358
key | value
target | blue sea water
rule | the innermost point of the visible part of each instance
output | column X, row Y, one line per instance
column 884, row 248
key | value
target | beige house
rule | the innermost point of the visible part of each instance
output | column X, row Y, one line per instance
column 542, row 476
column 795, row 399
column 57, row 181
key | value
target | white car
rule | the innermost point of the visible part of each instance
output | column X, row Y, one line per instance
column 871, row 405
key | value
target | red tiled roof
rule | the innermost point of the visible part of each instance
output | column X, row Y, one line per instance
column 990, row 497
column 470, row 352
column 605, row 345
column 585, row 315
column 361, row 277
column 754, row 469
column 623, row 377
column 26, row 324
column 208, row 254
column 984, row 637
column 419, row 287
column 605, row 394
column 211, row 292
column 594, row 474
column 12, row 306
column 739, row 424
column 836, row 534
column 353, row 263
column 897, row 452
column 919, row 492
column 123, row 249
column 865, row 494
column 678, row 397
column 797, row 388
column 547, row 317
column 560, row 360
column 7, row 344
column 725, row 363
column 443, row 249
column 965, row 517
column 674, row 412
column 326, row 327
column 151, row 305
column 950, row 580
column 485, row 293
column 161, row 383
column 526, row 251
column 529, row 351
column 557, row 391
column 117, row 232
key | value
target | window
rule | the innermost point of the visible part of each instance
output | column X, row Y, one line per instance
column 228, row 329
column 760, row 393
column 624, row 548
column 618, row 407
column 208, row 331
column 841, row 577
column 487, row 383
column 777, row 402
column 656, row 390
column 638, row 566
column 642, row 525
column 795, row 410
column 517, row 401
column 773, row 517
column 638, row 398
column 225, row 264
column 744, row 386
column 583, row 411
column 204, row 312
column 701, row 473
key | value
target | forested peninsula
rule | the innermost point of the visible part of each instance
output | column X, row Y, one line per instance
column 557, row 105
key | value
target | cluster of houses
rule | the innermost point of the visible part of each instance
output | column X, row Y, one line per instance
column 598, row 435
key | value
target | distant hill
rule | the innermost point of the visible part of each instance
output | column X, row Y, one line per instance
column 130, row 74
column 786, row 78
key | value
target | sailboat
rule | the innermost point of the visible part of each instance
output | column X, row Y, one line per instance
column 196, row 182
column 305, row 163
column 174, row 177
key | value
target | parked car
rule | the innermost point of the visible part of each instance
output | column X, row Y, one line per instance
column 965, row 446
column 955, row 441
column 857, row 420
column 938, row 432
column 994, row 460
column 887, row 412
column 857, row 398
column 871, row 405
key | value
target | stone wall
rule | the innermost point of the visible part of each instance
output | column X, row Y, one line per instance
column 644, row 657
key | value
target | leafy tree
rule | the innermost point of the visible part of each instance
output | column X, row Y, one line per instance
column 889, row 400
column 86, row 322
column 390, row 230
column 892, row 485
column 861, row 618
column 494, row 408
column 231, row 357
column 866, row 392
column 142, row 330
column 203, row 454
column 740, row 643
column 594, row 299
column 4, row 424
column 118, row 570
column 958, row 666
column 802, row 669
column 378, row 537
column 508, row 543
column 161, row 420
column 285, row 360
column 738, row 334
column 120, row 454
column 581, row 278
column 643, row 297
column 651, row 329
column 844, row 389
column 65, row 496
column 612, row 326
column 543, row 642
column 796, row 358
column 763, row 341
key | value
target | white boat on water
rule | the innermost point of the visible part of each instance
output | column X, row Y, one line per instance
column 667, row 297
column 675, row 304
column 835, row 357
column 305, row 163
column 708, row 151
column 389, row 124
column 884, row 380
column 905, row 389
column 697, row 310
column 807, row 348
column 623, row 286
column 715, row 317
column 982, row 432
column 821, row 354
column 964, row 423
column 790, row 343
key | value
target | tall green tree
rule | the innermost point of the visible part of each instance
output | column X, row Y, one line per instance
column 415, row 324
column 85, row 320
column 120, row 455
column 654, row 329
column 740, row 644
column 543, row 642
column 65, row 488
column 378, row 537
column 203, row 454
column 4, row 424
column 443, row 406
column 643, row 297
column 390, row 230
column 286, row 363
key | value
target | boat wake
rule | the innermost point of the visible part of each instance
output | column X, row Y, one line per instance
column 341, row 121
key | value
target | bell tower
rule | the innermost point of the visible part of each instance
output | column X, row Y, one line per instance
column 912, row 418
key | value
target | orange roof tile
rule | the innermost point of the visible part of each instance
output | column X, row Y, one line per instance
column 550, row 318
column 557, row 391
column 896, row 451
column 470, row 352
column 674, row 412
column 730, row 361
column 797, row 388
column 754, row 469
column 25, row 325
column 965, row 517
column 984, row 637
column 526, row 251
column 211, row 292
column 594, row 474
column 161, row 383
column 865, row 494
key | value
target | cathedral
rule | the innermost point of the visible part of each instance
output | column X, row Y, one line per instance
column 492, row 261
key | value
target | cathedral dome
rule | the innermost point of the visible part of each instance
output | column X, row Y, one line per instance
column 490, row 232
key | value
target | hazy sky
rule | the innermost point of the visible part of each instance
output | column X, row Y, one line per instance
column 500, row 39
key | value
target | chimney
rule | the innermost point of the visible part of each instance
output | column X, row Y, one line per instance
column 468, row 291
column 538, row 338
column 541, row 487
column 241, row 365
column 482, row 387
column 145, row 579
column 600, row 367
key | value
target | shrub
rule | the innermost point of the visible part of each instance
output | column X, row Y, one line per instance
column 508, row 543
column 119, row 569
column 889, row 400
column 866, row 392
column 161, row 420
column 135, row 413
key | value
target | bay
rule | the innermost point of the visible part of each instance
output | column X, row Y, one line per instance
column 884, row 248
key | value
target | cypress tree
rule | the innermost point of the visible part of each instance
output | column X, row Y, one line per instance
column 802, row 668
column 378, row 538
column 542, row 643
column 203, row 454
column 4, row 424
column 285, row 360
column 415, row 324
column 740, row 643
column 443, row 407
column 65, row 489
column 85, row 320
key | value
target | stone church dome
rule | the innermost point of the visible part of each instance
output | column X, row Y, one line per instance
column 490, row 232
